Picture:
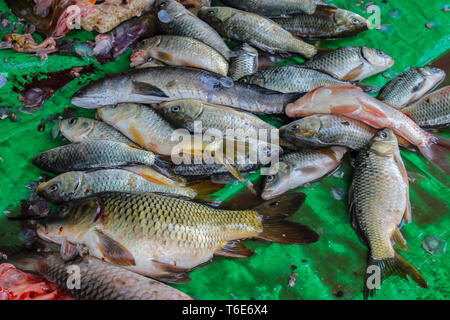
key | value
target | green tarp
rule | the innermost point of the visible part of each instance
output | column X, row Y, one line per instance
column 333, row 267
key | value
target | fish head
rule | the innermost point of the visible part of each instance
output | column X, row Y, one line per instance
column 120, row 112
column 215, row 15
column 384, row 143
column 350, row 19
column 61, row 188
column 303, row 131
column 182, row 113
column 377, row 58
column 168, row 10
column 150, row 43
column 71, row 221
column 106, row 91
column 75, row 129
column 435, row 75
column 277, row 184
column 308, row 104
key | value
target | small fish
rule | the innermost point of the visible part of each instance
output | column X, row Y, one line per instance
column 83, row 129
column 352, row 102
column 244, row 63
column 301, row 167
column 194, row 172
column 351, row 63
column 175, row 19
column 157, row 84
column 274, row 8
column 180, row 51
column 99, row 280
column 165, row 237
column 327, row 22
column 379, row 202
column 183, row 113
column 410, row 86
column 432, row 111
column 92, row 154
column 78, row 184
column 255, row 30
column 288, row 79
column 323, row 130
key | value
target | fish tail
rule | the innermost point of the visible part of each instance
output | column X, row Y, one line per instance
column 276, row 228
column 386, row 268
column 438, row 152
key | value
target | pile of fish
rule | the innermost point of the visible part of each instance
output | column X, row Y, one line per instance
column 127, row 210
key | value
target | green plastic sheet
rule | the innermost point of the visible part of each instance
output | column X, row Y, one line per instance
column 333, row 267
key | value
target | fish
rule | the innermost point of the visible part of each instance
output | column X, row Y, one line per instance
column 327, row 22
column 244, row 63
column 410, row 86
column 175, row 19
column 289, row 79
column 158, row 84
column 195, row 172
column 301, row 167
column 180, row 51
column 82, row 184
column 351, row 63
column 378, row 204
column 93, row 154
column 432, row 111
column 99, row 280
column 163, row 237
column 255, row 30
column 184, row 112
column 274, row 8
column 83, row 129
column 352, row 102
column 324, row 130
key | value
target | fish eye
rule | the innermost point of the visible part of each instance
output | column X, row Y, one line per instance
column 175, row 109
column 380, row 53
column 162, row 5
column 354, row 21
column 53, row 187
column 382, row 135
column 270, row 178
column 72, row 121
column 210, row 13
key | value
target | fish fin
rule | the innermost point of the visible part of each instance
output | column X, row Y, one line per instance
column 234, row 249
column 437, row 151
column 354, row 73
column 373, row 110
column 401, row 167
column 367, row 87
column 276, row 229
column 68, row 250
column 114, row 251
column 174, row 274
column 405, row 143
column 392, row 266
column 204, row 189
column 398, row 238
column 146, row 89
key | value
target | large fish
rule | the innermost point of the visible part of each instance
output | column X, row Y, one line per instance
column 92, row 154
column 410, row 86
column 351, row 63
column 98, row 280
column 379, row 202
column 352, row 102
column 327, row 22
column 244, row 62
column 432, row 111
column 175, row 19
column 289, row 79
column 80, row 184
column 165, row 237
column 180, row 51
column 274, row 8
column 157, row 84
column 83, row 129
column 301, row 167
column 255, row 30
